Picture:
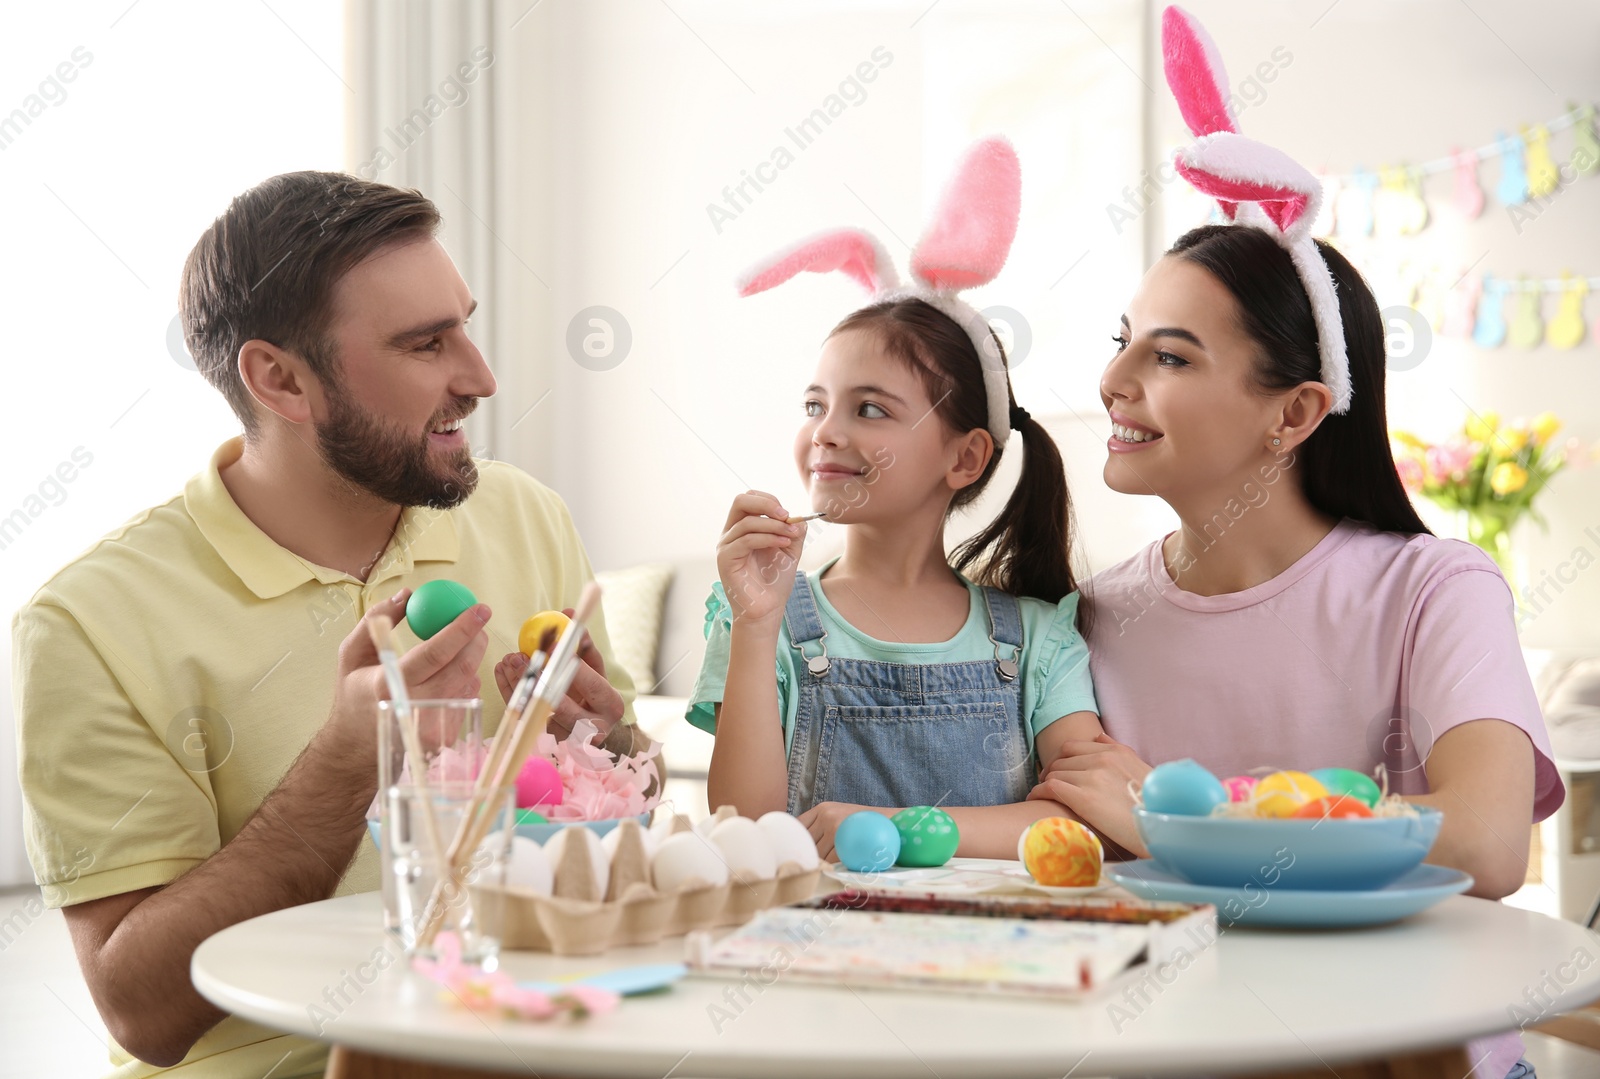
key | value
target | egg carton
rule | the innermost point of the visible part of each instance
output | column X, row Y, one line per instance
column 574, row 920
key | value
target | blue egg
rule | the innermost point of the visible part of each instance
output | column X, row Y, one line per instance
column 867, row 842
column 1182, row 787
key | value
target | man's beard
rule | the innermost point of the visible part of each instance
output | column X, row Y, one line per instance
column 389, row 465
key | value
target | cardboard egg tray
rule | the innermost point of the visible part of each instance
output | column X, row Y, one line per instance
column 576, row 921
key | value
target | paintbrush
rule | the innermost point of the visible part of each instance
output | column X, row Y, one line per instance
column 553, row 680
column 381, row 630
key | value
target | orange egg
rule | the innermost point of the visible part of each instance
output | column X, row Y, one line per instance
column 1335, row 805
column 533, row 629
column 1059, row 852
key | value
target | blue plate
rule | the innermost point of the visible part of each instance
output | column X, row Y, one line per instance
column 627, row 982
column 1255, row 904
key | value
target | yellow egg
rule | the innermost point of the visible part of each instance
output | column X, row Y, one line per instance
column 533, row 629
column 1060, row 853
column 1279, row 794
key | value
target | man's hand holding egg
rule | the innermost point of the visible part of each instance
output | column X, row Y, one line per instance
column 591, row 696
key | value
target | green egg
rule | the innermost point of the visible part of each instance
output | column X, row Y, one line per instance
column 1349, row 782
column 928, row 836
column 528, row 816
column 435, row 605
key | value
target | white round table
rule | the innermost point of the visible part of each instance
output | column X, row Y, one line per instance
column 1254, row 1000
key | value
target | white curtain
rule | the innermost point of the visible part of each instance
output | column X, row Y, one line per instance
column 429, row 109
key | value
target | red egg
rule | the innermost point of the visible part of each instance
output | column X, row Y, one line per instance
column 1335, row 805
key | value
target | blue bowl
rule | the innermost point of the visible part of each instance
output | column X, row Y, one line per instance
column 538, row 832
column 1320, row 855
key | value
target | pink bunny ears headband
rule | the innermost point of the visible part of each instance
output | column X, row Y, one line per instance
column 966, row 245
column 1255, row 184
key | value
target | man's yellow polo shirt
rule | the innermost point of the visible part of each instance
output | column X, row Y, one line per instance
column 167, row 678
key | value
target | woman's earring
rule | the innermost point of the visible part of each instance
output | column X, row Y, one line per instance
column 1277, row 442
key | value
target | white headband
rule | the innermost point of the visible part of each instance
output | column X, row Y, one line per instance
column 1255, row 184
column 966, row 245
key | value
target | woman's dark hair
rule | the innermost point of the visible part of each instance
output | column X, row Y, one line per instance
column 1346, row 466
column 1027, row 549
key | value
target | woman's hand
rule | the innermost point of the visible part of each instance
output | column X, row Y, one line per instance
column 1091, row 779
column 757, row 556
column 822, row 821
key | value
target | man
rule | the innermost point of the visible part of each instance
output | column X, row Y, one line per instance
column 196, row 695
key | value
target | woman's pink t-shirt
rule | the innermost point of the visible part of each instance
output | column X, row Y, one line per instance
column 1364, row 652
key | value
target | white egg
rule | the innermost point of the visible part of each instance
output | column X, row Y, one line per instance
column 650, row 837
column 529, row 866
column 598, row 860
column 745, row 848
column 686, row 857
column 789, row 839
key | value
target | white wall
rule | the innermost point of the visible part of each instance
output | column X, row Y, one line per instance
column 644, row 123
column 633, row 123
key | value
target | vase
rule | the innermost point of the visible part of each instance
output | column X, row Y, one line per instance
column 1492, row 532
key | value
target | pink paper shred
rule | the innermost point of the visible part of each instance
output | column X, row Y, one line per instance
column 596, row 783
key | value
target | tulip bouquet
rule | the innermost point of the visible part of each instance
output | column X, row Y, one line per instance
column 1488, row 471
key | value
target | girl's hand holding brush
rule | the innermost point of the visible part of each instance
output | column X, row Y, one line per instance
column 757, row 556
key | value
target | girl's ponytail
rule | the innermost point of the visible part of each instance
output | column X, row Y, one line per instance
column 1026, row 549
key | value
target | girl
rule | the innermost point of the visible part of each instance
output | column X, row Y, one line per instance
column 899, row 680
column 1302, row 616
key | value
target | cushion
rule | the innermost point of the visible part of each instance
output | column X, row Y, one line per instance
column 632, row 599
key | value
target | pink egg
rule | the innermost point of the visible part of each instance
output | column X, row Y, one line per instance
column 1239, row 787
column 538, row 784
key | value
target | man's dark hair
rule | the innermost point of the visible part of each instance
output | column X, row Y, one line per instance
column 268, row 266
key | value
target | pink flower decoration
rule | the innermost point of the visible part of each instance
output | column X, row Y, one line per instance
column 1446, row 461
column 1411, row 476
column 479, row 991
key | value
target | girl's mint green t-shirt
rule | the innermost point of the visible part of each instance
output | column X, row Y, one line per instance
column 1054, row 665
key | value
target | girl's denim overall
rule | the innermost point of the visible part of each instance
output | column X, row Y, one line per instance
column 907, row 734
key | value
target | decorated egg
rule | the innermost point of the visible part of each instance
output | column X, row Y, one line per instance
column 1333, row 805
column 533, row 629
column 435, row 604
column 928, row 836
column 1349, row 781
column 538, row 783
column 789, row 839
column 1239, row 787
column 1182, row 787
column 599, row 863
column 684, row 859
column 867, row 842
column 528, row 816
column 745, row 848
column 1059, row 852
column 1279, row 794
